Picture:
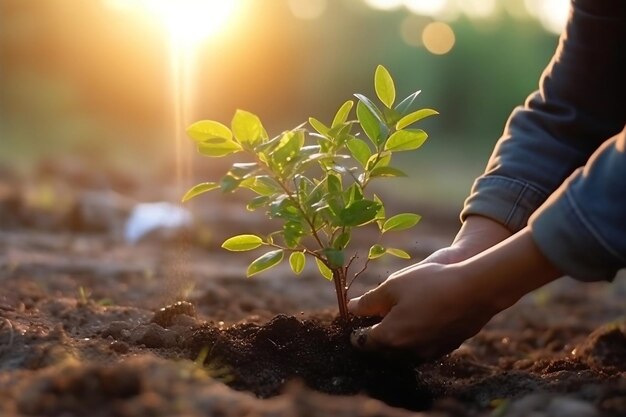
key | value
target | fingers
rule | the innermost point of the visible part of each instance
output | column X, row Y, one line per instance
column 376, row 302
column 360, row 338
column 379, row 336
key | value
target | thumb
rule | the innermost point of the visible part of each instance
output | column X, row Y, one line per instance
column 376, row 302
column 360, row 339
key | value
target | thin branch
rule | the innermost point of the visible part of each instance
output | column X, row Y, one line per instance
column 358, row 273
column 299, row 207
column 302, row 249
column 352, row 258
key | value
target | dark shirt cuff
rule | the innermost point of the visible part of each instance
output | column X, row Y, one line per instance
column 507, row 201
column 569, row 242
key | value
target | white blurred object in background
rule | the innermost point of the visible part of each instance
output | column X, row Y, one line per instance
column 150, row 217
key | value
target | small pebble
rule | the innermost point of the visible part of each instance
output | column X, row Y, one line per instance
column 165, row 316
column 119, row 347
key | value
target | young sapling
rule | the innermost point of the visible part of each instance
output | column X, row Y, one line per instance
column 316, row 181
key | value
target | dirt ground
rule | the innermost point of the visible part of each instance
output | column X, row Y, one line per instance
column 79, row 337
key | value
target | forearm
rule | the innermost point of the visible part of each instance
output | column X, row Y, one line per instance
column 482, row 232
column 504, row 273
column 579, row 105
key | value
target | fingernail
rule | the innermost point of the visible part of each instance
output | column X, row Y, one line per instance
column 359, row 337
column 352, row 303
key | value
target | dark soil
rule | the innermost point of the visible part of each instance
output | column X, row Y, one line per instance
column 261, row 359
column 89, row 327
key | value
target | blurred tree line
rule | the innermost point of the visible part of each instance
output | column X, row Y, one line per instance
column 82, row 80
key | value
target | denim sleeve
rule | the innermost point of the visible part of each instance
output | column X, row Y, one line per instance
column 580, row 104
column 581, row 228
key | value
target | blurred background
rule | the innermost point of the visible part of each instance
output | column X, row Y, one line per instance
column 102, row 90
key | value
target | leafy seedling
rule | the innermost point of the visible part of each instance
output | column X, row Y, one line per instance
column 314, row 179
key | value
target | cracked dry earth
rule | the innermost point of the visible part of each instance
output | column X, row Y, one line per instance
column 82, row 333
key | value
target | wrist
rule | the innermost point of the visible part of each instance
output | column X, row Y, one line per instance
column 500, row 276
column 479, row 233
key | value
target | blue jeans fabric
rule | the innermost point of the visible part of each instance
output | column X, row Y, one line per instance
column 560, row 166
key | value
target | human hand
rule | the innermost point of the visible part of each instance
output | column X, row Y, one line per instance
column 430, row 309
column 476, row 235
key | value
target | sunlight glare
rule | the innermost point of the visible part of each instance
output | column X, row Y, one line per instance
column 385, row 4
column 551, row 13
column 192, row 21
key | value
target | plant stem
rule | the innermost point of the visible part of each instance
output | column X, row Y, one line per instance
column 339, row 278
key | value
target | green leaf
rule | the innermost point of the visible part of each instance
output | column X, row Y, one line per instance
column 335, row 204
column 293, row 231
column 404, row 106
column 257, row 202
column 310, row 150
column 208, row 129
column 398, row 253
column 415, row 117
column 340, row 134
column 262, row 184
column 368, row 122
column 334, row 183
column 342, row 113
column 353, row 193
column 334, row 257
column 229, row 183
column 342, row 240
column 359, row 150
column 401, row 222
column 243, row 169
column 297, row 260
column 383, row 83
column 247, row 128
column 391, row 116
column 282, row 207
column 358, row 213
column 199, row 189
column 321, row 128
column 267, row 261
column 288, row 149
column 217, row 147
column 371, row 107
column 380, row 214
column 386, row 172
column 376, row 251
column 378, row 160
column 266, row 147
column 406, row 140
column 324, row 270
column 242, row 243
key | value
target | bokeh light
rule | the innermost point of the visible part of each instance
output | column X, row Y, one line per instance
column 385, row 4
column 552, row 14
column 411, row 30
column 438, row 38
column 479, row 9
column 427, row 7
column 308, row 9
